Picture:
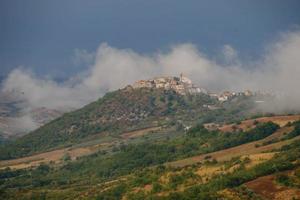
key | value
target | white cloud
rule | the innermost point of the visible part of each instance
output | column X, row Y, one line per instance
column 23, row 124
column 230, row 54
column 82, row 56
column 277, row 71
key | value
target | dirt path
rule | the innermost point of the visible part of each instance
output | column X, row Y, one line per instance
column 138, row 133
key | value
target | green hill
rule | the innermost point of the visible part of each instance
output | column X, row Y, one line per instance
column 189, row 162
column 116, row 112
column 125, row 110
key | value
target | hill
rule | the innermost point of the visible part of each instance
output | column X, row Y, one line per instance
column 116, row 112
column 160, row 102
column 17, row 119
column 128, row 109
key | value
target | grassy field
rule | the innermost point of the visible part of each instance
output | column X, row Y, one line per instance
column 101, row 144
column 74, row 152
column 248, row 124
column 162, row 179
column 241, row 150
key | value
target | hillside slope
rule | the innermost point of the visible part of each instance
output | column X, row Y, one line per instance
column 143, row 171
column 116, row 112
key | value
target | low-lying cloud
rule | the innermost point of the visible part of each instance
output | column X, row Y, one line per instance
column 277, row 71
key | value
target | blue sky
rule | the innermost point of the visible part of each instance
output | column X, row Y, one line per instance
column 42, row 35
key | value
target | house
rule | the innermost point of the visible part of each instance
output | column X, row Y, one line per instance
column 182, row 85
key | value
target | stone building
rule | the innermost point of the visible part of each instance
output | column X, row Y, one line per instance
column 182, row 85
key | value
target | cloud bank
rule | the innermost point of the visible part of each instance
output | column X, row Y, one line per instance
column 277, row 71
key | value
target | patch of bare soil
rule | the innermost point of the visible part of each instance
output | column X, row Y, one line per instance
column 266, row 187
column 47, row 157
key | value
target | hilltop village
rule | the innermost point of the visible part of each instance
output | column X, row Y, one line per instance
column 183, row 85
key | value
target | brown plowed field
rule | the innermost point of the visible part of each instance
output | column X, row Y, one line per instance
column 267, row 187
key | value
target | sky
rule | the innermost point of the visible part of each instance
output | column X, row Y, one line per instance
column 64, row 54
column 49, row 37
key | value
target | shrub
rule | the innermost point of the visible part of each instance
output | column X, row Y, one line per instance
column 284, row 179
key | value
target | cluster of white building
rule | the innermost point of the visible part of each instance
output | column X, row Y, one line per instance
column 181, row 85
column 227, row 95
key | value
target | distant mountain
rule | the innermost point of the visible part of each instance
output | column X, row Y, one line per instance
column 17, row 119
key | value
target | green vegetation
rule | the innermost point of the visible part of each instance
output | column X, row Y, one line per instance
column 136, row 168
column 126, row 110
column 295, row 132
column 101, row 167
column 116, row 112
column 291, row 180
column 284, row 179
column 284, row 161
column 218, row 140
